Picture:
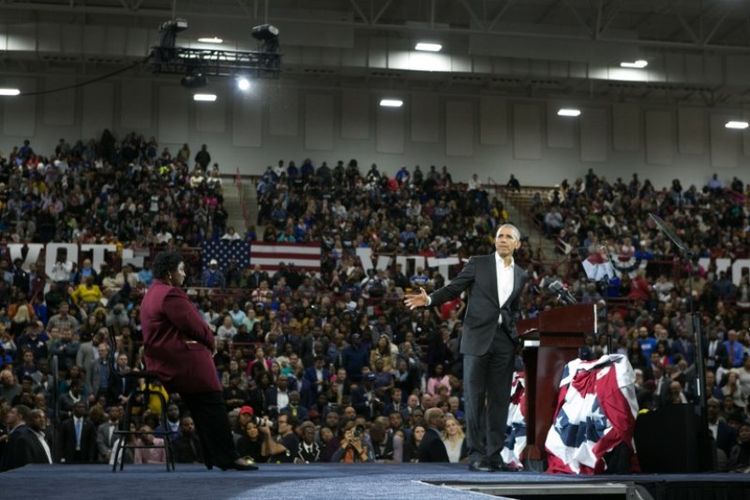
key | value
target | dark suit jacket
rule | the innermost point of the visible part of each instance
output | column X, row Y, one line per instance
column 312, row 377
column 67, row 442
column 432, row 449
column 178, row 343
column 726, row 437
column 483, row 309
column 187, row 449
column 119, row 386
column 22, row 448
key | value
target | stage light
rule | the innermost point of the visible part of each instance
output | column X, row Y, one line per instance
column 568, row 112
column 391, row 103
column 243, row 84
column 639, row 64
column 204, row 97
column 428, row 47
column 9, row 92
column 268, row 34
column 212, row 39
column 168, row 32
column 194, row 80
column 735, row 124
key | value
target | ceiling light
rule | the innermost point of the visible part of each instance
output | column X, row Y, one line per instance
column 204, row 97
column 391, row 103
column 211, row 39
column 428, row 47
column 639, row 64
column 739, row 125
column 243, row 84
column 568, row 112
column 9, row 91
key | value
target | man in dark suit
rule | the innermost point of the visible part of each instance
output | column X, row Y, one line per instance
column 723, row 433
column 317, row 378
column 258, row 275
column 105, row 433
column 187, row 446
column 488, row 342
column 432, row 449
column 178, row 348
column 120, row 386
column 277, row 397
column 77, row 438
column 23, row 446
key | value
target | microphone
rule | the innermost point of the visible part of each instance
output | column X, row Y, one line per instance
column 562, row 293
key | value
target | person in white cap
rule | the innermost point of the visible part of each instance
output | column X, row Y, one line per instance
column 213, row 277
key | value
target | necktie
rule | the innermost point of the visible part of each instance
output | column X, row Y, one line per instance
column 78, row 434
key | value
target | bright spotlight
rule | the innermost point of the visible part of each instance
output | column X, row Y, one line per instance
column 243, row 84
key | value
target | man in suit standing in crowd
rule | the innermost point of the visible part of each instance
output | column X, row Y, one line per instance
column 23, row 445
column 77, row 437
column 488, row 343
column 105, row 433
column 432, row 449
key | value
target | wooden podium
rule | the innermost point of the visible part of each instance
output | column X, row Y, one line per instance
column 550, row 340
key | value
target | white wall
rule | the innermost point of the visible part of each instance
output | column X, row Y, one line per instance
column 492, row 136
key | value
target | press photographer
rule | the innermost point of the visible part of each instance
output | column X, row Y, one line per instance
column 353, row 449
column 284, row 446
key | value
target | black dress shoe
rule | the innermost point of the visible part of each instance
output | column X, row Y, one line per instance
column 244, row 463
column 479, row 466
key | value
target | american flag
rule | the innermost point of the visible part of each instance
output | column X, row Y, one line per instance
column 596, row 411
column 269, row 255
column 224, row 251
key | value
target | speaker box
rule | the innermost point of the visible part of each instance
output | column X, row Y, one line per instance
column 670, row 440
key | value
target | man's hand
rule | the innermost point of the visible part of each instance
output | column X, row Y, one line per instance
column 416, row 300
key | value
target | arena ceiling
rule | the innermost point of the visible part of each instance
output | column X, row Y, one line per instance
column 696, row 49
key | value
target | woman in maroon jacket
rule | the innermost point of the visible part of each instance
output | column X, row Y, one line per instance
column 179, row 348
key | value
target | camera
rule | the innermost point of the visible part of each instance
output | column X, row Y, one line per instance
column 261, row 421
column 358, row 431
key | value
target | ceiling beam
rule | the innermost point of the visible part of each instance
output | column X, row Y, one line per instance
column 356, row 24
column 716, row 27
column 548, row 11
column 580, row 19
column 472, row 14
column 499, row 15
column 614, row 10
column 358, row 10
column 382, row 10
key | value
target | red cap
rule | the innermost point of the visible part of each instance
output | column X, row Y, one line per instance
column 247, row 409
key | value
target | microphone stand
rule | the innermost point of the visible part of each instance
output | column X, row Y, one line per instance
column 704, row 435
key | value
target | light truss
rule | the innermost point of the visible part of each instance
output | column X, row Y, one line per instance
column 214, row 62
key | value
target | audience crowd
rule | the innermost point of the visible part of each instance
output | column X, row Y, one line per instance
column 330, row 365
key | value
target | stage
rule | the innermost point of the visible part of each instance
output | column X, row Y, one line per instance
column 360, row 481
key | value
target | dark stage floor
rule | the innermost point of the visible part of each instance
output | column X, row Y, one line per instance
column 364, row 481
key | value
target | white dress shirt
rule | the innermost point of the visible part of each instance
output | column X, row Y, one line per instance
column 505, row 281
column 43, row 442
column 282, row 399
